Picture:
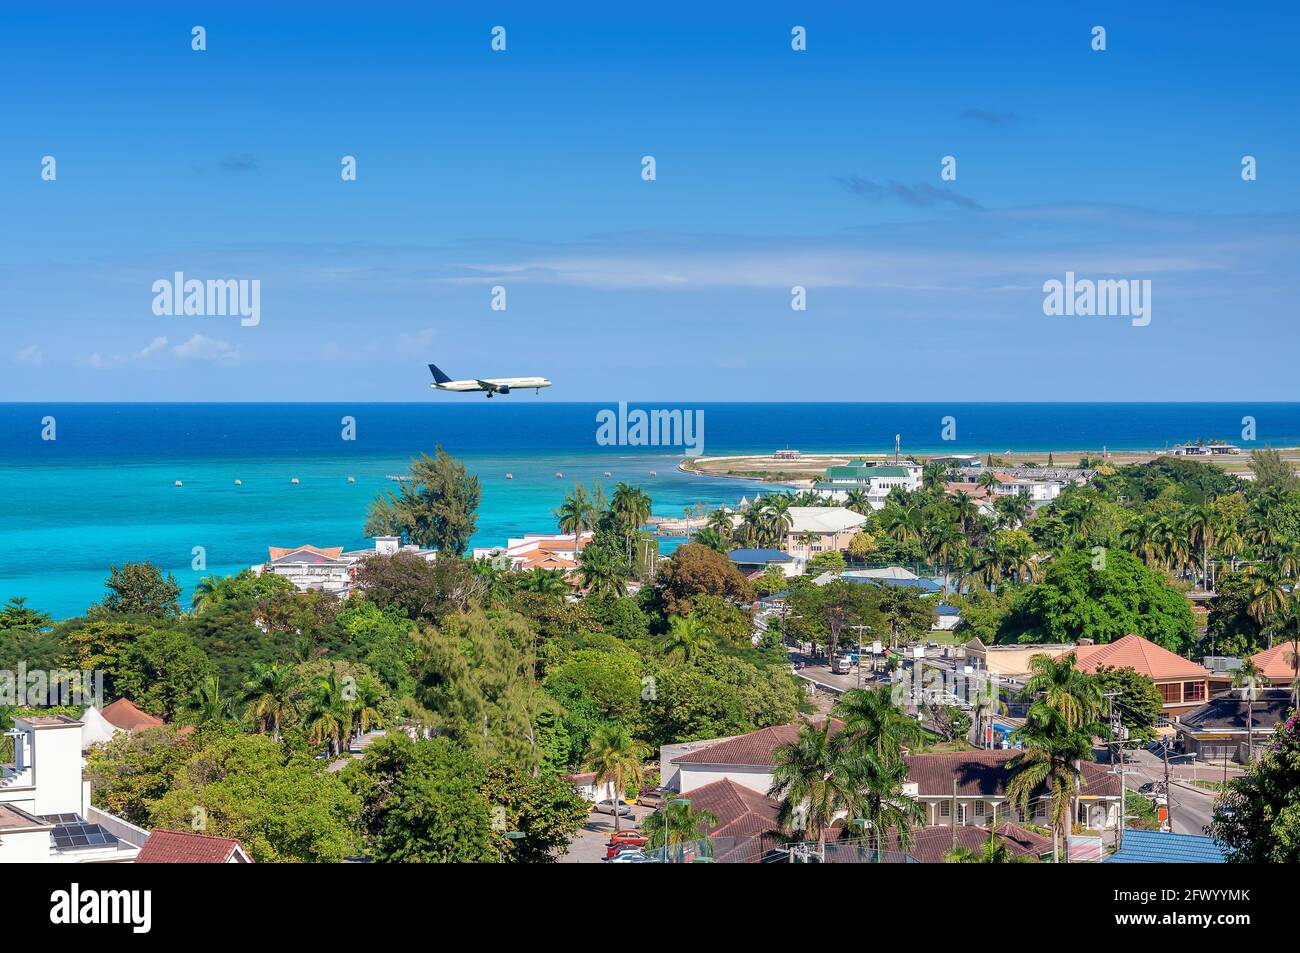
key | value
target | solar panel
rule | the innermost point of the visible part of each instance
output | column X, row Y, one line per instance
column 79, row 834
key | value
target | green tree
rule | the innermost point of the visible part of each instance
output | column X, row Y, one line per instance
column 16, row 617
column 675, row 826
column 686, row 639
column 1257, row 820
column 543, row 807
column 141, row 589
column 1140, row 704
column 435, row 507
column 616, row 756
column 423, row 801
column 816, row 782
column 872, row 721
column 271, row 697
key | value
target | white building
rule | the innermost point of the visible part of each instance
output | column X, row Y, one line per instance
column 330, row 569
column 45, row 810
column 875, row 479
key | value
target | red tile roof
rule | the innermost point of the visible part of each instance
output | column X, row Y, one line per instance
column 986, row 774
column 742, row 814
column 177, row 847
column 125, row 715
column 932, row 845
column 1139, row 654
column 1276, row 663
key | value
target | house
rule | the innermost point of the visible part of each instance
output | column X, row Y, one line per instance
column 45, row 810
column 759, row 560
column 585, row 784
column 184, row 847
column 875, row 480
column 972, row 785
column 947, row 618
column 1181, row 682
column 125, row 716
column 538, row 551
column 820, row 529
column 330, row 569
column 1204, row 450
column 932, row 845
column 746, row 821
column 1153, row 847
column 1277, row 666
column 1217, row 730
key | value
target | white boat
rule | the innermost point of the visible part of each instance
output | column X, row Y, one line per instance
column 178, row 483
column 352, row 479
column 239, row 483
column 294, row 481
column 654, row 472
column 608, row 474
column 510, row 476
column 559, row 475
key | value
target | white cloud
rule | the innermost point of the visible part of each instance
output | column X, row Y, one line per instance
column 201, row 348
column 30, row 356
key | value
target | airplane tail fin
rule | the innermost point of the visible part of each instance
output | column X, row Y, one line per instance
column 438, row 376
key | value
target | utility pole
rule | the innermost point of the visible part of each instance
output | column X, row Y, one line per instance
column 1117, row 739
column 1169, row 794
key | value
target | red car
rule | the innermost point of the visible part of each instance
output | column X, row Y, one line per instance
column 624, row 839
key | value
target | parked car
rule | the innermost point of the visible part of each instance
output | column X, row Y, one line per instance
column 633, row 855
column 609, row 807
column 843, row 665
column 1153, row 787
column 626, row 840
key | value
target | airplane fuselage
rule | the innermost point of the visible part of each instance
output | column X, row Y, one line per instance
column 499, row 385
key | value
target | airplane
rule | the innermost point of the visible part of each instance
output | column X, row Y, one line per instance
column 493, row 385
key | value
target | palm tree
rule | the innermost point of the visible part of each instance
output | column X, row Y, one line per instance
column 329, row 714
column 1140, row 539
column 1289, row 629
column 1246, row 677
column 208, row 704
column 544, row 582
column 1072, row 694
column 873, row 721
column 721, row 522
column 710, row 537
column 687, row 638
column 932, row 475
column 1269, row 592
column 857, row 501
column 1050, row 763
column 1202, row 525
column 815, row 782
column 1013, row 510
column 631, row 508
column 602, row 571
column 577, row 513
column 965, row 509
column 675, row 825
column 988, row 481
column 884, row 805
column 211, row 590
column 778, row 517
column 616, row 756
column 270, row 697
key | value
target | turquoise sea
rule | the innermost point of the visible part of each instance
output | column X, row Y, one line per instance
column 102, row 492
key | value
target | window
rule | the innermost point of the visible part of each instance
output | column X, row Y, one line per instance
column 1171, row 694
column 979, row 809
column 1194, row 691
column 945, row 809
column 1040, row 808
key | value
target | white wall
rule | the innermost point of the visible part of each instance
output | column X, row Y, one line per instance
column 696, row 776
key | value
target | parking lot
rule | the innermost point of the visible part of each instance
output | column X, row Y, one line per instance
column 588, row 845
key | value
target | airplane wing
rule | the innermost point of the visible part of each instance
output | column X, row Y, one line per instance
column 486, row 385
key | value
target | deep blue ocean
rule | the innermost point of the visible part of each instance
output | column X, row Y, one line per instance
column 103, row 491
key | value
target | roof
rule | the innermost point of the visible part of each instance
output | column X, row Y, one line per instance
column 124, row 714
column 823, row 519
column 754, row 749
column 1275, row 663
column 759, row 556
column 987, row 773
column 177, row 847
column 1139, row 654
column 1228, row 711
column 741, row 812
column 13, row 819
column 1152, row 847
column 305, row 554
column 932, row 845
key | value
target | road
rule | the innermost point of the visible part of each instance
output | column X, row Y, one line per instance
column 1190, row 807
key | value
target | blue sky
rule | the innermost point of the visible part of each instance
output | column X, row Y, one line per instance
column 775, row 168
